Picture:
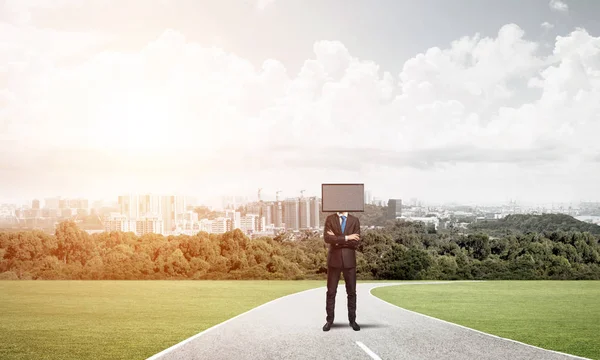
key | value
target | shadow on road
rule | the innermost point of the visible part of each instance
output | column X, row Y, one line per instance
column 362, row 326
column 371, row 326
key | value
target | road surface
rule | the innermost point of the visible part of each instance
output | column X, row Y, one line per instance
column 291, row 328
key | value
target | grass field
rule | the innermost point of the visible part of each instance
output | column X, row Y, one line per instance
column 120, row 319
column 557, row 315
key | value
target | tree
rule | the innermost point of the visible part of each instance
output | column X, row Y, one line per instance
column 176, row 264
column 73, row 243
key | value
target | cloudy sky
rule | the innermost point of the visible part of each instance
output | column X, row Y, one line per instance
column 438, row 100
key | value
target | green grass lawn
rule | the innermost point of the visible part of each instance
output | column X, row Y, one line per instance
column 557, row 315
column 121, row 319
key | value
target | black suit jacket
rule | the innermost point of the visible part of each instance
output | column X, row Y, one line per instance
column 342, row 254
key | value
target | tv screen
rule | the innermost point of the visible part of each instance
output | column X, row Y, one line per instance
column 343, row 197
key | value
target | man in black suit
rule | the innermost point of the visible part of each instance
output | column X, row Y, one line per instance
column 342, row 233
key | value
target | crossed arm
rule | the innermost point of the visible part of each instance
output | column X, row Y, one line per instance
column 339, row 240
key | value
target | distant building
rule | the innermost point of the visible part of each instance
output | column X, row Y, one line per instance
column 219, row 225
column 129, row 206
column 278, row 214
column 149, row 205
column 304, row 213
column 119, row 222
column 235, row 218
column 315, row 211
column 251, row 223
column 426, row 220
column 35, row 204
column 149, row 224
column 368, row 197
column 206, row 225
column 171, row 208
column 268, row 210
column 394, row 210
column 291, row 210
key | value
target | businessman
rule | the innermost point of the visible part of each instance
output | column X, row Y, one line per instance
column 342, row 233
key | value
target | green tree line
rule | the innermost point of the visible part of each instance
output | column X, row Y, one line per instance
column 532, row 223
column 399, row 250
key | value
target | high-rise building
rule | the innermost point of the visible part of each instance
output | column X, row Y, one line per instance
column 291, row 213
column 149, row 224
column 394, row 209
column 119, row 222
column 35, row 204
column 219, row 225
column 315, row 211
column 368, row 197
column 278, row 214
column 254, row 208
column 63, row 204
column 129, row 206
column 268, row 211
column 172, row 206
column 206, row 225
column 149, row 205
column 250, row 223
column 235, row 217
column 304, row 213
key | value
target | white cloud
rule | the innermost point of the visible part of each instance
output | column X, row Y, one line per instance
column 177, row 112
column 547, row 26
column 558, row 5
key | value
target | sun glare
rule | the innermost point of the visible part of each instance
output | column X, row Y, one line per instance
column 135, row 123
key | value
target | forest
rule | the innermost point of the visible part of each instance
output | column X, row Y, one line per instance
column 517, row 247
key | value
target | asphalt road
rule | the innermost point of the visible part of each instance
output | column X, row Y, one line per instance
column 291, row 328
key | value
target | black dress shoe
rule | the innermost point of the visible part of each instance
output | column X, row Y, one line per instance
column 355, row 326
column 327, row 326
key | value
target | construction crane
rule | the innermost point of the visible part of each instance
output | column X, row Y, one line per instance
column 302, row 193
column 259, row 189
column 277, row 195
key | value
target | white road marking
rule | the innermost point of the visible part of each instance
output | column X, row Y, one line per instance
column 368, row 351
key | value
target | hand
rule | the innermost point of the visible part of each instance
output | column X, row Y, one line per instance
column 329, row 232
column 354, row 237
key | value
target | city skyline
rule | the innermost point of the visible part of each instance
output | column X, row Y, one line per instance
column 417, row 99
column 218, row 202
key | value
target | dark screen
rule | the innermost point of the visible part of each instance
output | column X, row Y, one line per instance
column 343, row 197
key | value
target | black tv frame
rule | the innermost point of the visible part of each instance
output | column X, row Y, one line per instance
column 363, row 185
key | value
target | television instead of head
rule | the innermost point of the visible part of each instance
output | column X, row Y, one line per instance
column 343, row 197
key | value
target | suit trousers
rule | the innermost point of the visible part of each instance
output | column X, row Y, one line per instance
column 333, row 278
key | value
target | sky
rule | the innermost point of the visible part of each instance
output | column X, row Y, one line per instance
column 443, row 101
